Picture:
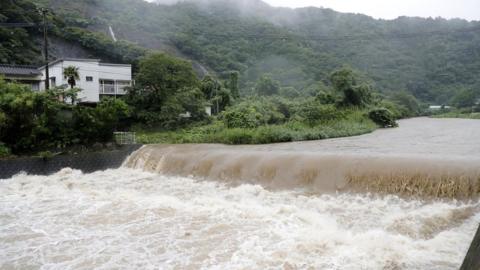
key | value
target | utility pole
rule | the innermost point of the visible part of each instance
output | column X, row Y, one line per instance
column 216, row 96
column 45, row 48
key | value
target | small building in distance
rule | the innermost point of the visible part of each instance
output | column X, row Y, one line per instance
column 97, row 79
column 439, row 107
column 23, row 74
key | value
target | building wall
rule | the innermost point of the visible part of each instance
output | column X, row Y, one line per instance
column 33, row 81
column 97, row 71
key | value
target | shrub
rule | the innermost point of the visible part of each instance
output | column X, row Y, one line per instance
column 407, row 104
column 397, row 110
column 4, row 151
column 273, row 134
column 242, row 117
column 98, row 124
column 313, row 113
column 382, row 117
column 45, row 155
column 237, row 136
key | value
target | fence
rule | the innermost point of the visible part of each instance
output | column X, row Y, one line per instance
column 124, row 138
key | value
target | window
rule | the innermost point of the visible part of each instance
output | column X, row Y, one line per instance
column 89, row 79
column 121, row 87
column 35, row 86
column 107, row 87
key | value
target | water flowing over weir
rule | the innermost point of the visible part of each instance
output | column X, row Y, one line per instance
column 257, row 207
column 424, row 157
column 322, row 173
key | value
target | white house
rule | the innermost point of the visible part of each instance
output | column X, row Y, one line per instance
column 96, row 79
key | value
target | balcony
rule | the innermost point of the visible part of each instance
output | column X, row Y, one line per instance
column 109, row 87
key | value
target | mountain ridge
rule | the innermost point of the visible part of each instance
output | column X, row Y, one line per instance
column 430, row 58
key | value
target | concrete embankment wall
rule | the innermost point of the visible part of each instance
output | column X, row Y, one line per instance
column 86, row 162
column 472, row 260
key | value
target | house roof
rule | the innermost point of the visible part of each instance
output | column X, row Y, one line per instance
column 18, row 70
column 84, row 60
column 70, row 59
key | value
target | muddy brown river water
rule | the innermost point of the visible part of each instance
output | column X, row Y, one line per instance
column 377, row 201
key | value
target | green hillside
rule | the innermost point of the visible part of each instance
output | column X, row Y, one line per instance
column 430, row 58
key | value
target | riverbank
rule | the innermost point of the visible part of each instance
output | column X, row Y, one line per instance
column 458, row 115
column 289, row 132
column 85, row 161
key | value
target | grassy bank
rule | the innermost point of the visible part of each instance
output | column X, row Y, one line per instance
column 458, row 115
column 288, row 132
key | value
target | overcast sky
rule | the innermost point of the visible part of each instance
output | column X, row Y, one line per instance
column 391, row 9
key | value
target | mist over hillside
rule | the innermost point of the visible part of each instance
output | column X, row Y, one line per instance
column 430, row 58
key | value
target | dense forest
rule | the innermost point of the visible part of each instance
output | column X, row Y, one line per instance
column 431, row 58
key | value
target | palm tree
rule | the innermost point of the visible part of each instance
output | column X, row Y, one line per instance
column 71, row 74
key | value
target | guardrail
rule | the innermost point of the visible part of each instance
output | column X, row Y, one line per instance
column 125, row 138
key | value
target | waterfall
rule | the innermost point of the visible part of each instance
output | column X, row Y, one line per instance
column 112, row 34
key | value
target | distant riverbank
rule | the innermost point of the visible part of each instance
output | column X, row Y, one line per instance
column 356, row 123
column 458, row 115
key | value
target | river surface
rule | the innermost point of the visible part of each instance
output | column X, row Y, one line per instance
column 130, row 218
column 417, row 136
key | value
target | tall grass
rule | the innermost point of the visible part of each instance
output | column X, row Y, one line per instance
column 354, row 123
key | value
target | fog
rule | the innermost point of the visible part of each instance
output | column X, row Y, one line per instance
column 464, row 9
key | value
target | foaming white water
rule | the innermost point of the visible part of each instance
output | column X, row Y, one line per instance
column 129, row 219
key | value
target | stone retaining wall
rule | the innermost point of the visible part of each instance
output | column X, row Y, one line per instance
column 86, row 162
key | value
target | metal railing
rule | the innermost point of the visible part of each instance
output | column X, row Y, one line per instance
column 108, row 89
column 113, row 89
column 124, row 138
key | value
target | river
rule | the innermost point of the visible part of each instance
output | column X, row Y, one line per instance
column 161, row 211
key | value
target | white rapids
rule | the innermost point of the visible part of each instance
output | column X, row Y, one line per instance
column 130, row 219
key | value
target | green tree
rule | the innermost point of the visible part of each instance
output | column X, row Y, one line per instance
column 233, row 84
column 189, row 102
column 465, row 98
column 355, row 93
column 160, row 78
column 98, row 124
column 289, row 92
column 210, row 86
column 221, row 101
column 164, row 75
column 216, row 94
column 71, row 74
column 266, row 86
column 408, row 105
column 312, row 112
column 32, row 121
column 29, row 120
